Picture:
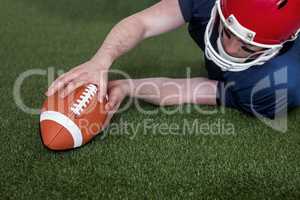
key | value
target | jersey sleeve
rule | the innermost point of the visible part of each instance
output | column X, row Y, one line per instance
column 195, row 9
column 186, row 9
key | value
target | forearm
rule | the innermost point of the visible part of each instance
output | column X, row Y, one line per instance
column 149, row 89
column 160, row 18
column 166, row 91
column 123, row 37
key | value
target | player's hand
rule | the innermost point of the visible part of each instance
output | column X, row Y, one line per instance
column 117, row 91
column 88, row 72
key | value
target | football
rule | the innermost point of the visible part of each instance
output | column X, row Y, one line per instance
column 73, row 121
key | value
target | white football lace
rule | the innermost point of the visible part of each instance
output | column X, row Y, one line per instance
column 84, row 99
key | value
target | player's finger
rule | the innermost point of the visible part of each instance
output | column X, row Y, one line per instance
column 61, row 82
column 54, row 86
column 112, row 101
column 102, row 87
column 71, row 87
column 110, row 115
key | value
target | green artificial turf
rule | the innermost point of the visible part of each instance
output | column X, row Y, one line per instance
column 252, row 162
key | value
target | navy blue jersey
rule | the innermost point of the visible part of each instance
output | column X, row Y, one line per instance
column 264, row 90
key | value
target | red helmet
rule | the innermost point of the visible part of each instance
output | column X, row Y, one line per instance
column 263, row 23
column 273, row 21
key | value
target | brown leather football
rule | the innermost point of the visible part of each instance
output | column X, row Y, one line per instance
column 73, row 121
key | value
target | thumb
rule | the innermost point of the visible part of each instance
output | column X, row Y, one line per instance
column 112, row 101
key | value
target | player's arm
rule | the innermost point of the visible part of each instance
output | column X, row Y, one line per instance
column 161, row 91
column 157, row 19
column 165, row 91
